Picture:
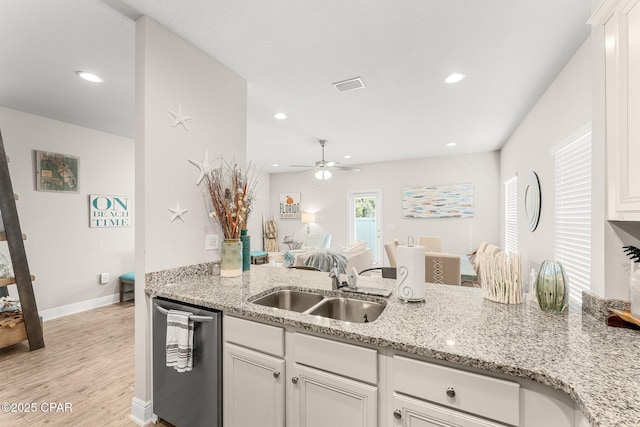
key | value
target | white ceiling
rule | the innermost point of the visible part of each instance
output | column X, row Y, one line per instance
column 290, row 51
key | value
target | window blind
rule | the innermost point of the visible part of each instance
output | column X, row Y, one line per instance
column 511, row 215
column 573, row 213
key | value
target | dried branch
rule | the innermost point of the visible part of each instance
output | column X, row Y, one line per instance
column 232, row 192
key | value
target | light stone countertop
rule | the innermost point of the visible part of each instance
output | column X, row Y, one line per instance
column 597, row 365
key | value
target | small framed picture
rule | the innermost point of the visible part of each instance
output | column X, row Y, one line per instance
column 57, row 172
column 289, row 205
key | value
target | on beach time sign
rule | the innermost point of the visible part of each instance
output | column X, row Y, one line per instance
column 108, row 211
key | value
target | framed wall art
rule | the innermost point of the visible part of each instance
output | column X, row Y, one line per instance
column 57, row 172
column 438, row 201
column 289, row 205
column 109, row 211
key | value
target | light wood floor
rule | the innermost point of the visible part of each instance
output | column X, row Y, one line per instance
column 87, row 362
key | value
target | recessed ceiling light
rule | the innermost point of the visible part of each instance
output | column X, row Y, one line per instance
column 451, row 144
column 454, row 77
column 280, row 116
column 275, row 165
column 348, row 156
column 90, row 77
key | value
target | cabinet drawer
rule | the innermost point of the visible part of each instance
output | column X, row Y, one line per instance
column 265, row 338
column 408, row 412
column 344, row 359
column 485, row 396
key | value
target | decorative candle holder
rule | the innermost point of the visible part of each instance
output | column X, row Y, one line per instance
column 501, row 278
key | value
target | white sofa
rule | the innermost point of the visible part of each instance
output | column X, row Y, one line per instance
column 357, row 255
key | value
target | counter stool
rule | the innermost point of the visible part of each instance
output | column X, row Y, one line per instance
column 126, row 279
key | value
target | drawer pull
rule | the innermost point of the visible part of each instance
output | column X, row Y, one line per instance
column 397, row 414
column 451, row 392
column 294, row 380
column 276, row 374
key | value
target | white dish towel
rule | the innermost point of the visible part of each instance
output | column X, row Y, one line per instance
column 180, row 342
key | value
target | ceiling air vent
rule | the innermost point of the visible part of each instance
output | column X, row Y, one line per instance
column 348, row 85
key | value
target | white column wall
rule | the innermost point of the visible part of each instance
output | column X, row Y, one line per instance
column 172, row 72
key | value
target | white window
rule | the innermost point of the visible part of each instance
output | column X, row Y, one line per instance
column 511, row 215
column 573, row 212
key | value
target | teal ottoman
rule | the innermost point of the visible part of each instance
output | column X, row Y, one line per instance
column 126, row 279
column 259, row 257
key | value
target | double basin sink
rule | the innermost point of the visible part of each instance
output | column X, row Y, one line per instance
column 338, row 308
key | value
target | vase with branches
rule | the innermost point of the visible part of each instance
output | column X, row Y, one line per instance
column 231, row 190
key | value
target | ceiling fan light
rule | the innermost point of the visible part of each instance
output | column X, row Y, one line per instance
column 322, row 175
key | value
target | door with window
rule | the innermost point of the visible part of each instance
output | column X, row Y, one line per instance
column 365, row 221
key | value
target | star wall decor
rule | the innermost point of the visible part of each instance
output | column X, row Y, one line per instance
column 177, row 212
column 205, row 167
column 180, row 118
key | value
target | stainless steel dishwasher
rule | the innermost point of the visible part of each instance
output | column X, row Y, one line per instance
column 194, row 398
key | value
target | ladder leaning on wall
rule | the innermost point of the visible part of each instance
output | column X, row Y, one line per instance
column 29, row 326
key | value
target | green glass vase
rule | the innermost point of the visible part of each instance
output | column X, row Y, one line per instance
column 552, row 287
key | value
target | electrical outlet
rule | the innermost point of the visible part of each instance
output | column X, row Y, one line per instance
column 104, row 278
column 211, row 242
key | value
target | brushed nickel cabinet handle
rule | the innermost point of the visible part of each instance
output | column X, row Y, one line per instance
column 276, row 374
column 294, row 379
column 397, row 414
column 451, row 392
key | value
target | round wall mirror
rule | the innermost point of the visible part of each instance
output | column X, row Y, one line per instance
column 532, row 201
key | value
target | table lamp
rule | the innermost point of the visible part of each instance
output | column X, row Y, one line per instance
column 307, row 218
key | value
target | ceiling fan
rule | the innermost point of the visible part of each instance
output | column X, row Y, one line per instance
column 322, row 167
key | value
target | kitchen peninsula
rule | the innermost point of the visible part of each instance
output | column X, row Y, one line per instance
column 597, row 366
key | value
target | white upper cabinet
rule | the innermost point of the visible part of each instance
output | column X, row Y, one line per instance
column 621, row 21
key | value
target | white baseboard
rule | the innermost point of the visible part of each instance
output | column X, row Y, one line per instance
column 142, row 412
column 77, row 307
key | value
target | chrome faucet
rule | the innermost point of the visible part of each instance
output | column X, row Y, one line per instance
column 335, row 278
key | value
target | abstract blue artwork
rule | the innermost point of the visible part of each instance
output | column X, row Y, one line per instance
column 438, row 201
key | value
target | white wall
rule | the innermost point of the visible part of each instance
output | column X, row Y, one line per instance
column 169, row 72
column 259, row 208
column 177, row 73
column 329, row 199
column 564, row 108
column 64, row 254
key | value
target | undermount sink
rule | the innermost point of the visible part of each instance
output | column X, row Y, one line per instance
column 349, row 310
column 290, row 300
column 338, row 308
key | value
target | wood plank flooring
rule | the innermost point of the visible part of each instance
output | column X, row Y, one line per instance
column 87, row 362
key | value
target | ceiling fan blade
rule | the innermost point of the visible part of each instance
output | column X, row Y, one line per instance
column 306, row 170
column 331, row 163
column 347, row 168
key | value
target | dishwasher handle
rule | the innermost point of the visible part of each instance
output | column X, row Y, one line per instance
column 192, row 317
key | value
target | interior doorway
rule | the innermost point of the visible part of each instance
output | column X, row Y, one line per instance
column 365, row 221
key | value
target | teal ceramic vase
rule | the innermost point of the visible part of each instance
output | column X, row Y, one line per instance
column 231, row 258
column 552, row 287
column 246, row 250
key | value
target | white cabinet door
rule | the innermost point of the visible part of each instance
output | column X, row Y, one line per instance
column 253, row 388
column 408, row 412
column 622, row 69
column 321, row 399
